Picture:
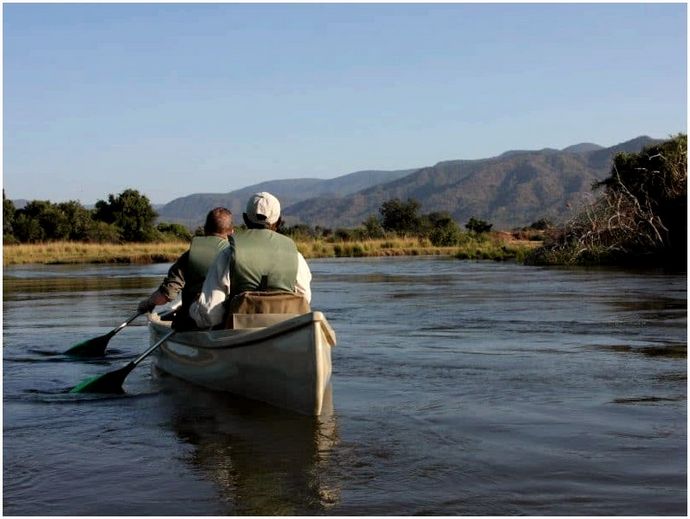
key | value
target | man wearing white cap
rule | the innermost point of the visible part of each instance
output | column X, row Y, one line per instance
column 257, row 259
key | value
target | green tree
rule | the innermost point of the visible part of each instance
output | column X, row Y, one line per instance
column 28, row 229
column 373, row 228
column 300, row 231
column 478, row 226
column 8, row 212
column 72, row 221
column 175, row 231
column 343, row 234
column 400, row 217
column 441, row 229
column 131, row 212
column 101, row 232
column 35, row 221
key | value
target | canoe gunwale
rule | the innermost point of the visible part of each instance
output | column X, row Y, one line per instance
column 246, row 337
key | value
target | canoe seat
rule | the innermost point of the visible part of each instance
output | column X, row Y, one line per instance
column 260, row 309
column 241, row 321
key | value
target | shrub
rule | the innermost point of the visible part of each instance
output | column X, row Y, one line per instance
column 101, row 232
column 478, row 226
column 174, row 232
column 639, row 218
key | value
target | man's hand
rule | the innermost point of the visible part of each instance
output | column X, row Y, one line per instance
column 148, row 304
column 145, row 306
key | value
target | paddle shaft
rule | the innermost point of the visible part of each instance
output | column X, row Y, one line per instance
column 114, row 331
column 151, row 348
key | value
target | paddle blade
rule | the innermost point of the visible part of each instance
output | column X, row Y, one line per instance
column 110, row 382
column 91, row 348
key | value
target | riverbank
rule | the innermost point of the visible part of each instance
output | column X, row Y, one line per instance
column 498, row 246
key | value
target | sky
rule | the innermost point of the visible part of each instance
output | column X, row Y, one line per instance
column 175, row 99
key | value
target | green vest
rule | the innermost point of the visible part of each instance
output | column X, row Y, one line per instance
column 258, row 253
column 202, row 254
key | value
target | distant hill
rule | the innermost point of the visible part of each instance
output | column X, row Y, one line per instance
column 513, row 189
column 584, row 147
column 191, row 210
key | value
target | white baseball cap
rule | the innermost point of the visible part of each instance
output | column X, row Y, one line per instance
column 263, row 208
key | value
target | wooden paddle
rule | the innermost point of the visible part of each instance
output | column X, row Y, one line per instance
column 111, row 382
column 96, row 347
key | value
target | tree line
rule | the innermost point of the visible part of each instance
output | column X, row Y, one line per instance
column 130, row 217
column 398, row 218
column 639, row 217
column 126, row 217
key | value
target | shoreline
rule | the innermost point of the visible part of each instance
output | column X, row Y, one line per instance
column 74, row 253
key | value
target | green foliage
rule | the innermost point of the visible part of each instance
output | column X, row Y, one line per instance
column 343, row 234
column 8, row 210
column 128, row 216
column 442, row 229
column 400, row 217
column 641, row 217
column 35, row 222
column 478, row 226
column 657, row 175
column 174, row 232
column 41, row 220
column 27, row 229
column 101, row 232
column 74, row 221
column 541, row 225
column 373, row 229
column 299, row 231
column 132, row 213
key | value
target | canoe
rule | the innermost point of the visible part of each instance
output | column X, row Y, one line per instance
column 280, row 359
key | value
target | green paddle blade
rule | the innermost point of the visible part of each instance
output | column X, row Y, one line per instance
column 96, row 347
column 91, row 348
column 110, row 382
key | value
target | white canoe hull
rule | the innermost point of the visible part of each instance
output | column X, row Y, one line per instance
column 287, row 364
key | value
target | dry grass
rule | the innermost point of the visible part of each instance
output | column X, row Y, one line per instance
column 498, row 247
column 75, row 252
column 385, row 247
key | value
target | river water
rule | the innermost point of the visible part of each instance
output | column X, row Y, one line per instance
column 459, row 388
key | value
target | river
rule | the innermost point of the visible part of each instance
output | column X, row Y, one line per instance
column 459, row 388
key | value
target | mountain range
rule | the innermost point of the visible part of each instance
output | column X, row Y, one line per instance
column 511, row 190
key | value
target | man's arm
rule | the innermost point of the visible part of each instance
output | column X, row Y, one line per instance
column 173, row 283
column 171, row 286
column 209, row 310
column 303, row 282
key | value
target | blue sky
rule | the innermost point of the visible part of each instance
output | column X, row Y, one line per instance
column 175, row 99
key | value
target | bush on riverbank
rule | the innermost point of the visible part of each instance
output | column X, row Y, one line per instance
column 639, row 219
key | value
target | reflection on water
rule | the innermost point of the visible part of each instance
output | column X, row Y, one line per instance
column 51, row 287
column 265, row 461
column 672, row 350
